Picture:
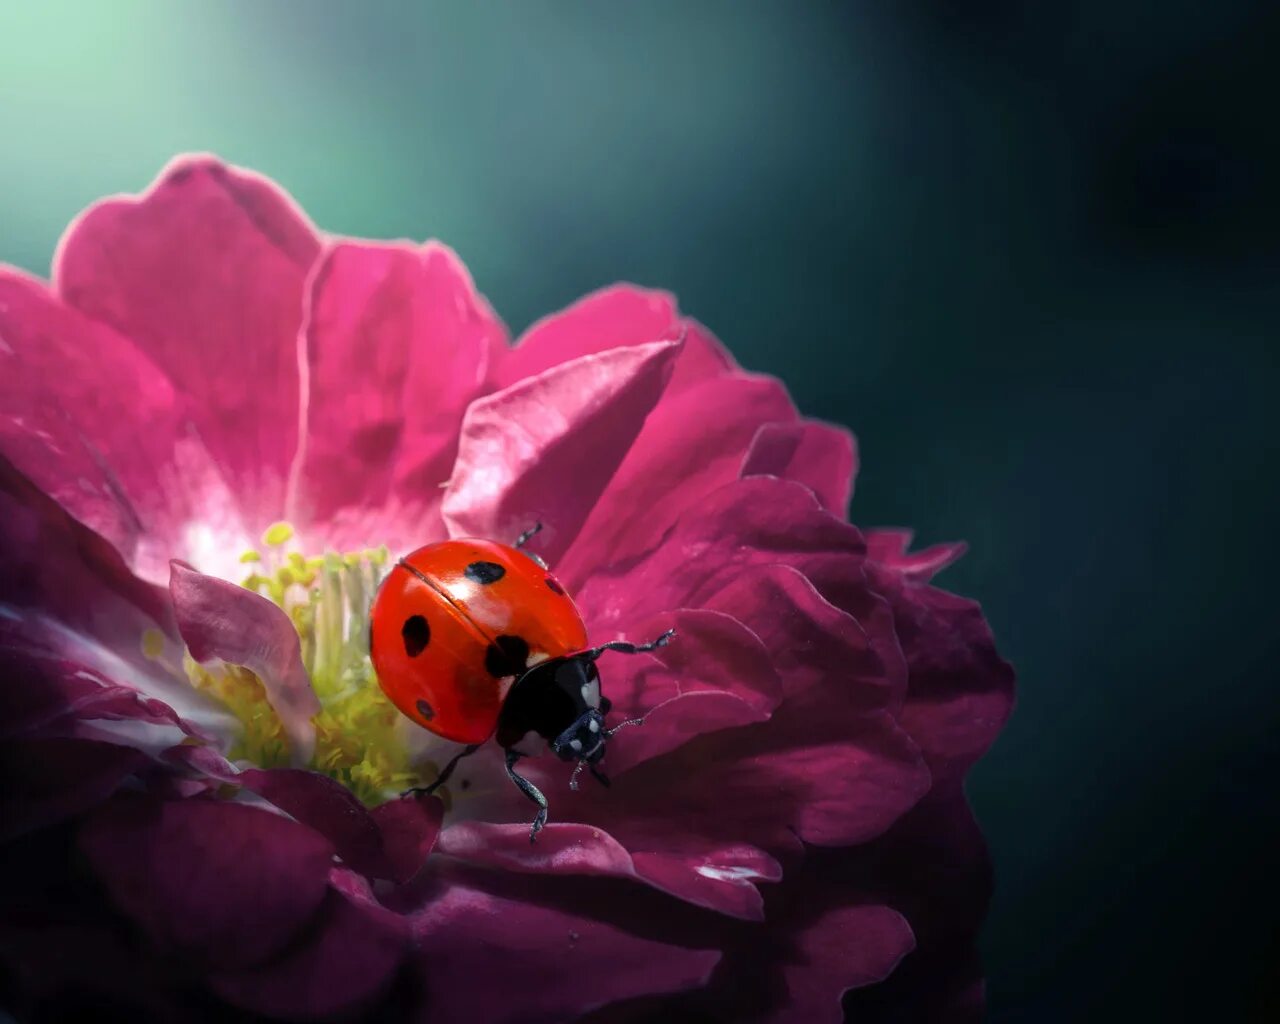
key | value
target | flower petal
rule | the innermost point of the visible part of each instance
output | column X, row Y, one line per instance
column 96, row 425
column 350, row 952
column 757, row 521
column 543, row 449
column 47, row 780
column 555, row 965
column 614, row 317
column 811, row 642
column 225, row 884
column 221, row 620
column 959, row 690
column 397, row 344
column 822, row 457
column 889, row 548
column 714, row 674
column 842, row 948
column 204, row 271
column 690, row 445
column 718, row 878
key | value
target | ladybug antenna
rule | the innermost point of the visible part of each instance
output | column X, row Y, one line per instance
column 573, row 779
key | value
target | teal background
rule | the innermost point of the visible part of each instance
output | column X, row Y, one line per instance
column 1028, row 252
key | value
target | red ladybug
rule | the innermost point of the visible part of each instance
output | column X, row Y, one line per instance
column 472, row 639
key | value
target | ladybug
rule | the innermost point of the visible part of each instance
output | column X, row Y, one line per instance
column 473, row 639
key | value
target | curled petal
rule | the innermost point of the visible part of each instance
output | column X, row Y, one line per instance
column 204, row 272
column 396, row 344
column 751, row 522
column 692, row 444
column 543, row 449
column 843, row 948
column 50, row 779
column 959, row 690
column 221, row 620
column 716, row 877
column 555, row 965
column 351, row 950
column 889, row 548
column 225, row 884
column 615, row 317
column 822, row 457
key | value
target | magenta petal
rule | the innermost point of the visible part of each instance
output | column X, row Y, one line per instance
column 521, row 448
column 844, row 948
column 703, row 357
column 204, row 272
column 714, row 675
column 614, row 317
column 221, row 620
column 220, row 882
column 756, row 521
column 47, row 780
column 959, row 690
column 348, row 957
column 822, row 457
column 555, row 966
column 811, row 642
column 691, row 444
column 96, row 425
column 409, row 829
column 397, row 343
column 718, row 878
column 889, row 548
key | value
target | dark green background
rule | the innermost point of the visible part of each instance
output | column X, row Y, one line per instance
column 1028, row 252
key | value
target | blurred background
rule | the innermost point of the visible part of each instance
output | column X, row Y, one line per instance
column 1027, row 251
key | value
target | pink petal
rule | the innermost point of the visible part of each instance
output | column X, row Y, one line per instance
column 51, row 562
column 397, row 344
column 393, row 844
column 204, row 271
column 889, row 548
column 225, row 884
column 716, row 877
column 95, row 424
column 714, row 674
column 614, row 317
column 555, row 965
column 959, row 691
column 840, row 777
column 822, row 457
column 692, row 444
column 703, row 357
column 221, row 620
column 47, row 780
column 347, row 958
column 757, row 521
column 844, row 948
column 543, row 449
column 811, row 642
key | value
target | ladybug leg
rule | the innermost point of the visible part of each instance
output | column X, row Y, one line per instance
column 531, row 791
column 528, row 535
column 626, row 647
column 601, row 777
column 443, row 777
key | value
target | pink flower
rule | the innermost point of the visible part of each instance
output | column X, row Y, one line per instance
column 201, row 774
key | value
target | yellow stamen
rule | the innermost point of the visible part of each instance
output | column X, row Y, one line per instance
column 359, row 733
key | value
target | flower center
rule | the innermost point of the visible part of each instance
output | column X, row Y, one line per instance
column 361, row 738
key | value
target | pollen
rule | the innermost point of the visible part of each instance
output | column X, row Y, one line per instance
column 360, row 736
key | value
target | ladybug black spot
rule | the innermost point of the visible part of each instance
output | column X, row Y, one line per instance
column 426, row 710
column 484, row 573
column 554, row 585
column 417, row 634
column 506, row 657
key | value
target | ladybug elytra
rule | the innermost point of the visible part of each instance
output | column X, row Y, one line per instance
column 473, row 639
